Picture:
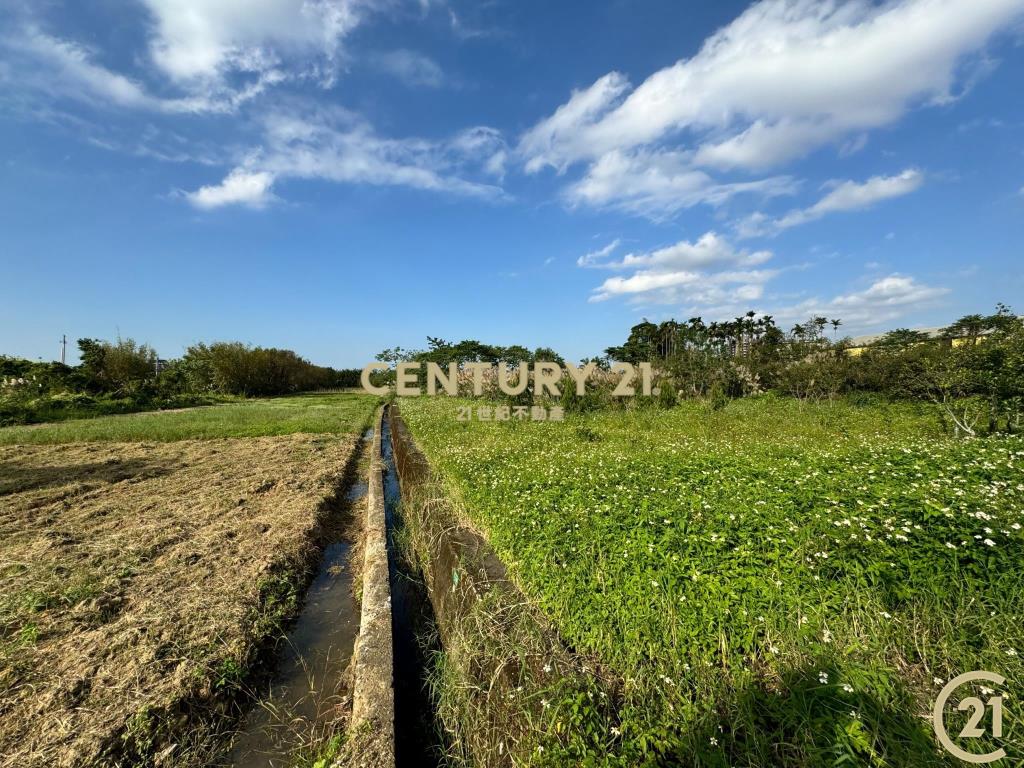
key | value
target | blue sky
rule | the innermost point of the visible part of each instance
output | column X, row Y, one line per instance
column 338, row 176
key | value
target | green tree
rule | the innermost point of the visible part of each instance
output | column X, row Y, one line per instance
column 969, row 327
column 902, row 337
column 91, row 353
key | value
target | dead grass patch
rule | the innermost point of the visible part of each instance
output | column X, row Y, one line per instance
column 138, row 582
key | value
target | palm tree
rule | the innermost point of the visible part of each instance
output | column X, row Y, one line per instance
column 835, row 326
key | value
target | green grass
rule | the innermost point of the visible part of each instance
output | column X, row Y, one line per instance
column 64, row 406
column 333, row 413
column 774, row 583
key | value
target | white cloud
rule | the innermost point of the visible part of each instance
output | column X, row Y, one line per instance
column 465, row 31
column 71, row 63
column 197, row 40
column 687, row 286
column 712, row 278
column 709, row 251
column 335, row 145
column 595, row 258
column 852, row 196
column 782, row 79
column 481, row 144
column 657, row 184
column 708, row 271
column 884, row 301
column 844, row 196
column 240, row 187
column 854, row 145
column 762, row 145
column 546, row 143
column 67, row 69
column 217, row 54
column 412, row 68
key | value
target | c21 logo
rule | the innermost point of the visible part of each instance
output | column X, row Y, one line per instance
column 978, row 709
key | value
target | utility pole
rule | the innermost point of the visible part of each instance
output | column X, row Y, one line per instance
column 63, row 347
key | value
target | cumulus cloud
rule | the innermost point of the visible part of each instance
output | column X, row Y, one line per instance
column 707, row 271
column 687, row 286
column 711, row 276
column 240, row 187
column 710, row 250
column 843, row 196
column 783, row 79
column 201, row 40
column 884, row 301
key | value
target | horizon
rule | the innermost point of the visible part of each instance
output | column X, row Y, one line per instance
column 344, row 177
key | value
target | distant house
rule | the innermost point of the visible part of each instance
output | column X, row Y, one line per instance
column 858, row 344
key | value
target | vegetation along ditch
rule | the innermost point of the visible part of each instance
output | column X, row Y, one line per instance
column 418, row 736
column 500, row 662
column 302, row 708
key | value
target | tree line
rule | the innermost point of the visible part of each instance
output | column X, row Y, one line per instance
column 124, row 375
column 972, row 370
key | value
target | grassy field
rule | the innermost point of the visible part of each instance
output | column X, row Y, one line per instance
column 139, row 580
column 316, row 414
column 774, row 583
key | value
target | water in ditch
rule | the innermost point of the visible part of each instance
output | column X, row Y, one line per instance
column 418, row 735
column 306, row 696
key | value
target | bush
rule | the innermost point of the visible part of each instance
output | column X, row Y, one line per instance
column 238, row 369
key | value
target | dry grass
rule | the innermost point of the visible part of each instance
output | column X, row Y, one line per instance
column 137, row 583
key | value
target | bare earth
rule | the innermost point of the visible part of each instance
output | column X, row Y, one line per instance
column 137, row 580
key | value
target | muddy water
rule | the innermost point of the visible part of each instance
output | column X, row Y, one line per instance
column 306, row 692
column 418, row 736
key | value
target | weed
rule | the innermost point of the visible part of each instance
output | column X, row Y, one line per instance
column 773, row 583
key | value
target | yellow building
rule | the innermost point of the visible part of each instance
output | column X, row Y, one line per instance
column 858, row 344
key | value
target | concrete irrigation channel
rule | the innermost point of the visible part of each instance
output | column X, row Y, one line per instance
column 440, row 579
column 393, row 723
column 430, row 586
column 361, row 646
